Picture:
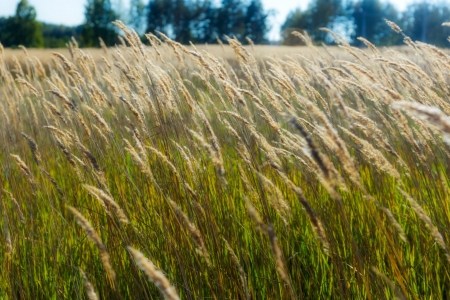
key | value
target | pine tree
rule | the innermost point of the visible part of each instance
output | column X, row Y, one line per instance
column 230, row 19
column 22, row 28
column 295, row 21
column 256, row 22
column 99, row 14
column 158, row 15
column 369, row 15
column 323, row 13
column 423, row 22
column 204, row 20
column 182, row 14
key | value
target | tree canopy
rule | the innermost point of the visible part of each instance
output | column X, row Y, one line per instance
column 22, row 28
column 203, row 21
column 98, row 17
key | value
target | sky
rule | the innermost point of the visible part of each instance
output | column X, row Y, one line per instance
column 71, row 12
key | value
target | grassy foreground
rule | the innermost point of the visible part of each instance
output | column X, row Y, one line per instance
column 189, row 176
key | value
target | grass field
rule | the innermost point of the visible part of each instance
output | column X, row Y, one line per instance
column 225, row 172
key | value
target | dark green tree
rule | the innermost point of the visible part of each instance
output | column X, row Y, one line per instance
column 182, row 17
column 322, row 13
column 331, row 14
column 99, row 14
column 256, row 22
column 200, row 21
column 176, row 18
column 231, row 19
column 204, row 20
column 369, row 16
column 158, row 15
column 297, row 20
column 22, row 28
column 423, row 22
column 57, row 36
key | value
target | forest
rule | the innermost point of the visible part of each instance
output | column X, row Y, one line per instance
column 206, row 21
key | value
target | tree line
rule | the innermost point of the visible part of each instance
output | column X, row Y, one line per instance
column 206, row 21
column 421, row 21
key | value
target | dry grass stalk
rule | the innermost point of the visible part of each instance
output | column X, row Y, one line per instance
column 90, row 291
column 8, row 240
column 143, row 166
column 370, row 46
column 83, row 124
column 34, row 148
column 16, row 205
column 431, row 114
column 358, row 69
column 68, row 104
column 276, row 198
column 88, row 155
column 33, row 90
column 373, row 155
column 393, row 26
column 99, row 118
column 55, row 111
column 24, row 168
column 315, row 221
column 53, row 182
column 107, row 202
column 66, row 63
column 398, row 293
column 279, row 260
column 185, row 157
column 95, row 238
column 397, row 226
column 156, row 276
column 216, row 159
column 133, row 110
column 319, row 158
column 193, row 232
column 437, row 236
column 214, row 141
column 100, row 132
column 174, row 170
column 242, row 274
column 254, row 214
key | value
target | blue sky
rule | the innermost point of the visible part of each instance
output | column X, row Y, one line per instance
column 71, row 12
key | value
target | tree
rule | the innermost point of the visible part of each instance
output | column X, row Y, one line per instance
column 296, row 20
column 137, row 16
column 173, row 17
column 322, row 13
column 369, row 16
column 181, row 18
column 256, row 22
column 57, row 36
column 230, row 19
column 422, row 22
column 200, row 21
column 99, row 14
column 158, row 15
column 204, row 21
column 22, row 28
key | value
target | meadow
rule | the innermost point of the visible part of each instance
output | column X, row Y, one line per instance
column 225, row 172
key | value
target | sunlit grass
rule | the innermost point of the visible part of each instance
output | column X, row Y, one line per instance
column 244, row 177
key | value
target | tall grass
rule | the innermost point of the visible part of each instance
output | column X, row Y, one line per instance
column 322, row 174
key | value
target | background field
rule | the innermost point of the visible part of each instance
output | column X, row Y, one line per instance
column 265, row 173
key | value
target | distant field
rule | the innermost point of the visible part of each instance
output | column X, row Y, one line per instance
column 225, row 173
column 226, row 52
